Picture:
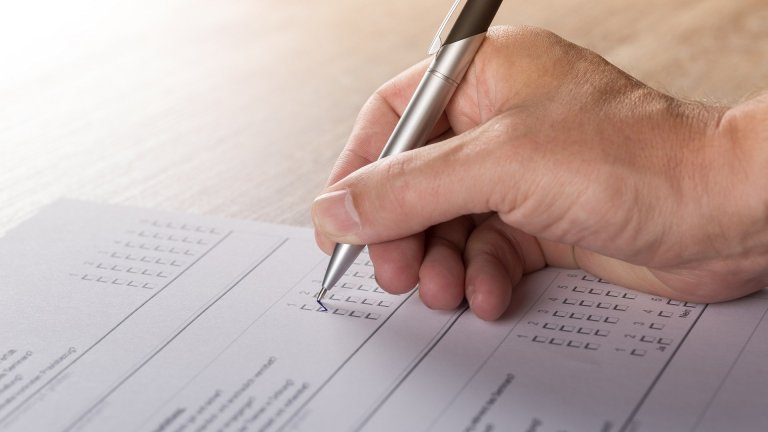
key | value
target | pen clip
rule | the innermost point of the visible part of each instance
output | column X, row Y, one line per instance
column 437, row 42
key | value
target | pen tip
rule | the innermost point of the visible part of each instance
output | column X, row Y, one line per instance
column 320, row 296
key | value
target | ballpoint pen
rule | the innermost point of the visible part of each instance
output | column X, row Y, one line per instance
column 451, row 61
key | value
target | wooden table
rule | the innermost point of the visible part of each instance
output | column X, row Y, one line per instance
column 239, row 108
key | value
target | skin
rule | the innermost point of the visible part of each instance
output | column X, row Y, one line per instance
column 549, row 155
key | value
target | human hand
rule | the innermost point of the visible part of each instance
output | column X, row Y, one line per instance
column 555, row 157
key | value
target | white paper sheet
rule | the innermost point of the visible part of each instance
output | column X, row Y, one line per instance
column 123, row 319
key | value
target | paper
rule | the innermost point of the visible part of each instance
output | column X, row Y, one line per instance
column 123, row 319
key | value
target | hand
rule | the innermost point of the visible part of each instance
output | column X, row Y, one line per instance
column 554, row 156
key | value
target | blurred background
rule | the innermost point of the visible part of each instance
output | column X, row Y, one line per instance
column 239, row 108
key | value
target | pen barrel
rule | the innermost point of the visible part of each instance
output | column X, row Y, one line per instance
column 432, row 95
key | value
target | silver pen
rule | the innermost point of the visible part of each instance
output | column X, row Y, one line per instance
column 452, row 59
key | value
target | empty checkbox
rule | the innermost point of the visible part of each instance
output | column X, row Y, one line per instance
column 656, row 326
column 611, row 320
column 638, row 352
column 601, row 332
column 595, row 318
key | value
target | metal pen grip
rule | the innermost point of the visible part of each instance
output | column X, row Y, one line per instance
column 432, row 95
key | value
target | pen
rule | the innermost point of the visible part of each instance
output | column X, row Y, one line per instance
column 452, row 59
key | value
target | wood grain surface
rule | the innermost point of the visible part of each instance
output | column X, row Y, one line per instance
column 239, row 108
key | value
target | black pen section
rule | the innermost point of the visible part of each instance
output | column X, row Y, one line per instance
column 475, row 18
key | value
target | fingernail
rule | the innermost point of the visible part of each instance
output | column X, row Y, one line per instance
column 335, row 214
column 471, row 295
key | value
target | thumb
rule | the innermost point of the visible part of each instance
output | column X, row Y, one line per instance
column 407, row 193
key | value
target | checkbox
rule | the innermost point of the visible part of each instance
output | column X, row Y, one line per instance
column 567, row 328
column 352, row 299
column 585, row 330
column 665, row 314
column 385, row 303
column 570, row 301
column 560, row 314
column 596, row 291
column 595, row 318
column 550, row 326
column 556, row 341
column 656, row 326
column 577, row 315
column 602, row 305
column 575, row 344
column 612, row 294
column 356, row 314
column 620, row 307
column 372, row 316
column 579, row 289
column 539, row 339
column 630, row 296
column 649, row 339
column 601, row 332
column 638, row 352
column 592, row 346
column 369, row 302
column 665, row 341
column 674, row 302
column 338, row 311
column 587, row 303
column 690, row 305
column 611, row 320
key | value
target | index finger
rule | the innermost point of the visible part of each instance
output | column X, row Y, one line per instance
column 377, row 120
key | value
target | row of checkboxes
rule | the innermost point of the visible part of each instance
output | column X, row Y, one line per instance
column 608, row 293
column 599, row 305
column 590, row 317
column 571, row 329
column 654, row 339
column 338, row 311
column 173, row 237
column 360, row 300
column 118, row 281
column 570, row 343
column 183, row 227
column 681, row 303
column 132, row 270
column 361, row 287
